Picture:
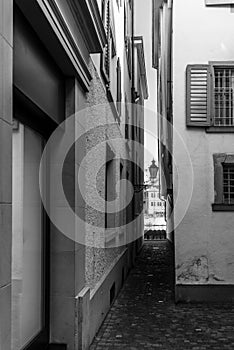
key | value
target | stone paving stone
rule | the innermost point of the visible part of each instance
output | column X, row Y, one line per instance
column 144, row 316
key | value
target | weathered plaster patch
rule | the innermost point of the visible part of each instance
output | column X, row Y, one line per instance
column 196, row 270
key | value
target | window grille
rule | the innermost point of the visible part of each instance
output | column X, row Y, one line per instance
column 223, row 96
column 228, row 184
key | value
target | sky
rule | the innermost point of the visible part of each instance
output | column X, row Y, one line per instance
column 143, row 27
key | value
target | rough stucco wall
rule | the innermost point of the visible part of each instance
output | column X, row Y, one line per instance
column 204, row 240
column 99, row 259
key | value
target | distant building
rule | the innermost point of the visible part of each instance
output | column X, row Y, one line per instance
column 154, row 206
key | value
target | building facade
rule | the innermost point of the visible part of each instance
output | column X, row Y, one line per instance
column 61, row 59
column 195, row 121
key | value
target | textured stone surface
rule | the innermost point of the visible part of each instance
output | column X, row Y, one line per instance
column 144, row 315
column 99, row 259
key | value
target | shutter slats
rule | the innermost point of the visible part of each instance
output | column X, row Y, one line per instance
column 201, row 88
column 198, row 95
column 105, row 58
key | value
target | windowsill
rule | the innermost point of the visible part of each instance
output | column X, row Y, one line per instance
column 222, row 207
column 220, row 129
column 219, row 2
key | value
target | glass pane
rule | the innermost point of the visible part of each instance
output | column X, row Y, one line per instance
column 27, row 237
column 223, row 93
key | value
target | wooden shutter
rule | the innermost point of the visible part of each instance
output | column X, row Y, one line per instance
column 112, row 29
column 105, row 58
column 198, row 109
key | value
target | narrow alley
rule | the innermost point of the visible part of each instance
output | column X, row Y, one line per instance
column 116, row 174
column 144, row 316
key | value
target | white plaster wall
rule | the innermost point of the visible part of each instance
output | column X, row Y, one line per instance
column 204, row 240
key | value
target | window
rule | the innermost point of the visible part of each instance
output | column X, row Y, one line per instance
column 105, row 59
column 112, row 43
column 126, row 120
column 210, row 91
column 223, row 182
column 110, row 49
column 119, row 82
column 128, row 50
column 110, row 193
column 127, row 35
column 223, row 96
column 228, row 183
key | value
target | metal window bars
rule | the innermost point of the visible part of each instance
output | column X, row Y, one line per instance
column 228, row 184
column 223, row 96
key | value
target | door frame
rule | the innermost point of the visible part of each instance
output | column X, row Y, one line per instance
column 23, row 111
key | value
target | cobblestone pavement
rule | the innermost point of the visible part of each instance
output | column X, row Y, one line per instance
column 144, row 315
